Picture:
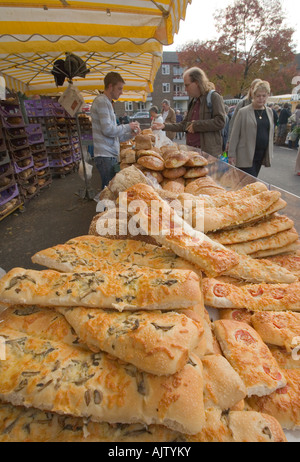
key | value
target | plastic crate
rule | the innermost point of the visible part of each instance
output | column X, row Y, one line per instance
column 60, row 162
column 2, row 143
column 8, row 207
column 20, row 154
column 13, row 122
column 19, row 168
column 18, row 143
column 6, row 169
column 10, row 109
column 6, row 181
column 45, row 181
column 37, row 147
column 4, row 157
column 33, row 104
column 33, row 129
column 8, row 194
column 41, row 164
column 12, row 133
column 37, row 138
column 43, row 173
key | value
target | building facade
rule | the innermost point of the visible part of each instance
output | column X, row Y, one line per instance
column 168, row 84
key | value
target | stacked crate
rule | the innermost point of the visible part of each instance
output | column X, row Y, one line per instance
column 19, row 150
column 10, row 198
column 59, row 140
column 39, row 154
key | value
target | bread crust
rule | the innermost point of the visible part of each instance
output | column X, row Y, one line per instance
column 175, row 234
column 132, row 289
column 157, row 343
column 249, row 356
column 52, row 376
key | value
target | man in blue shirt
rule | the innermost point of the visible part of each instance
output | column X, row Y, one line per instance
column 107, row 135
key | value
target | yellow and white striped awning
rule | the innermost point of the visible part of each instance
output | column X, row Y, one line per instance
column 126, row 36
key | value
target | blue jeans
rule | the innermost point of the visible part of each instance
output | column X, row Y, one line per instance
column 105, row 166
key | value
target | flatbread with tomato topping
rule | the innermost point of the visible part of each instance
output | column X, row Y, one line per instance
column 249, row 356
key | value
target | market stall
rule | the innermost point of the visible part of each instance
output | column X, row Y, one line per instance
column 140, row 327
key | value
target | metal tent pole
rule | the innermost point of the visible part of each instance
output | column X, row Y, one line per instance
column 87, row 192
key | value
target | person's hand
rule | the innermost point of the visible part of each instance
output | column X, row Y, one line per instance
column 190, row 127
column 231, row 161
column 157, row 126
column 135, row 127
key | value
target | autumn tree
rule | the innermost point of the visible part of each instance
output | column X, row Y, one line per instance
column 253, row 42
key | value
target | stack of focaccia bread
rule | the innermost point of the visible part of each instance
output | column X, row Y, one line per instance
column 112, row 342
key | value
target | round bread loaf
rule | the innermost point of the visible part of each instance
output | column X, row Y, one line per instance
column 148, row 152
column 151, row 163
column 173, row 173
column 196, row 160
column 176, row 159
column 196, row 172
column 175, row 186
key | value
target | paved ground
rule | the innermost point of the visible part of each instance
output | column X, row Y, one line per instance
column 59, row 212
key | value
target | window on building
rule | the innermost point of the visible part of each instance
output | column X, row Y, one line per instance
column 166, row 88
column 128, row 106
column 142, row 106
column 177, row 71
column 165, row 69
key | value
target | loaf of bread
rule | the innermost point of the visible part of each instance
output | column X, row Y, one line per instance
column 155, row 342
column 132, row 289
column 171, row 231
column 55, row 377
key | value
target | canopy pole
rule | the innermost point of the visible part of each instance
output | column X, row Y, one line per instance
column 87, row 192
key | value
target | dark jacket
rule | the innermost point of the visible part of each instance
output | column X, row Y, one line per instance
column 284, row 116
column 210, row 124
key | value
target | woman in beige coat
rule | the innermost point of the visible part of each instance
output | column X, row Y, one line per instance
column 251, row 140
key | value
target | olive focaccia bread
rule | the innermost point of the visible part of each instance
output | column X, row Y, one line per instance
column 155, row 342
column 169, row 229
column 18, row 424
column 40, row 321
column 249, row 356
column 56, row 377
column 253, row 297
column 239, row 427
column 131, row 289
column 92, row 253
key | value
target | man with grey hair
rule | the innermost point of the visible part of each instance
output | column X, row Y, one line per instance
column 169, row 116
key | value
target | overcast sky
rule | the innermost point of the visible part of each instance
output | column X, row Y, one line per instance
column 199, row 22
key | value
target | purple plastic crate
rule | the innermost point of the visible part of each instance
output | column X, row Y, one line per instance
column 36, row 139
column 32, row 103
column 6, row 169
column 18, row 143
column 13, row 122
column 15, row 132
column 9, row 109
column 61, row 162
column 37, row 112
column 42, row 164
column 33, row 129
column 19, row 169
column 9, row 194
